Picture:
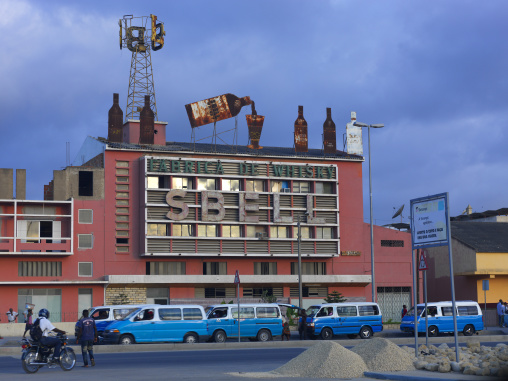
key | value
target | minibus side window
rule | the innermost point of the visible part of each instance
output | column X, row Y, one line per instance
column 219, row 313
column 145, row 315
column 170, row 314
column 432, row 311
column 267, row 312
column 245, row 312
column 368, row 310
column 447, row 311
column 102, row 314
column 192, row 314
column 120, row 313
column 467, row 310
column 347, row 311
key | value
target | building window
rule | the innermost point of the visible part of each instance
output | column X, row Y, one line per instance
column 85, row 216
column 215, row 292
column 301, row 187
column 324, row 188
column 256, row 231
column 265, row 268
column 85, row 241
column 155, row 182
column 255, row 185
column 309, row 268
column 50, row 298
column 156, row 230
column 182, row 230
column 39, row 229
column 214, row 268
column 85, row 268
column 324, row 233
column 392, row 243
column 207, row 230
column 165, row 268
column 257, row 292
column 309, row 292
column 278, row 232
column 280, row 186
column 122, row 241
column 206, row 184
column 85, row 187
column 304, row 231
column 230, row 185
column 33, row 268
column 181, row 183
column 157, row 295
column 231, row 231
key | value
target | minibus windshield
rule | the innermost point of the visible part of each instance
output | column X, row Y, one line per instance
column 312, row 310
column 411, row 311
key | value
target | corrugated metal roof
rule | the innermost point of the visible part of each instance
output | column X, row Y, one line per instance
column 487, row 237
column 232, row 150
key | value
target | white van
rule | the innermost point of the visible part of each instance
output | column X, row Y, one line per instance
column 440, row 318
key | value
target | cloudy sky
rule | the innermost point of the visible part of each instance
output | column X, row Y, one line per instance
column 434, row 72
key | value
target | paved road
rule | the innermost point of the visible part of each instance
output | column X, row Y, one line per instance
column 183, row 365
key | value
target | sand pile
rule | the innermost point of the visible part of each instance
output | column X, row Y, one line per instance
column 325, row 359
column 384, row 356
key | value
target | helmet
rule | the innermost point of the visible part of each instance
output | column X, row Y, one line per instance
column 44, row 313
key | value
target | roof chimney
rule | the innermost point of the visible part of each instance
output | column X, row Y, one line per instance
column 146, row 121
column 115, row 121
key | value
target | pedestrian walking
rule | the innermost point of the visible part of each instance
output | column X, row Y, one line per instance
column 500, row 312
column 404, row 311
column 11, row 315
column 28, row 321
column 87, row 334
column 302, row 326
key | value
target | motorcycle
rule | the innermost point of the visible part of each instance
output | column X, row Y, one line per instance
column 35, row 355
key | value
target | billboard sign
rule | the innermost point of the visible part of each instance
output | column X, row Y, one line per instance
column 429, row 221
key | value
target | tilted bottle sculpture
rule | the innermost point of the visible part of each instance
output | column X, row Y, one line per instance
column 214, row 109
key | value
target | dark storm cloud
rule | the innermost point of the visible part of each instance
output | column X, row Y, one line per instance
column 432, row 72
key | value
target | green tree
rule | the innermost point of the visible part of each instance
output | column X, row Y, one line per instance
column 335, row 297
column 268, row 298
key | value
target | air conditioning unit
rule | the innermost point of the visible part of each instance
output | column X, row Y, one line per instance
column 261, row 235
column 286, row 190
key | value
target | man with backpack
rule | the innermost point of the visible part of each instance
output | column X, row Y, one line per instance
column 87, row 332
column 40, row 331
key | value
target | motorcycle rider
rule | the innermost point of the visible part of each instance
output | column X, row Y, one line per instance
column 46, row 328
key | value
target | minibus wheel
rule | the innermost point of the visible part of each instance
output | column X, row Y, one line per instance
column 264, row 335
column 326, row 334
column 126, row 340
column 190, row 338
column 433, row 331
column 468, row 330
column 365, row 333
column 219, row 336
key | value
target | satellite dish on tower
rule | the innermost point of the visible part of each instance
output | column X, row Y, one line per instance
column 398, row 212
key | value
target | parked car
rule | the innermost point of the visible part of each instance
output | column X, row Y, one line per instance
column 159, row 323
column 351, row 319
column 257, row 321
column 440, row 318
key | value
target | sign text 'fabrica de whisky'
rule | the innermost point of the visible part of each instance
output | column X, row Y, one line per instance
column 244, row 169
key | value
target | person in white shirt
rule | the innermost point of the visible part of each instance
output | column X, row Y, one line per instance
column 11, row 315
column 46, row 328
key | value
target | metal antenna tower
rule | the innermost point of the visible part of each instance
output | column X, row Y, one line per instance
column 141, row 43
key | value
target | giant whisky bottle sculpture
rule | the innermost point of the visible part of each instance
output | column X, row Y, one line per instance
column 214, row 109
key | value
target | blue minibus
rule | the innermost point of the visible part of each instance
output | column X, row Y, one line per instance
column 159, row 323
column 440, row 318
column 257, row 321
column 352, row 319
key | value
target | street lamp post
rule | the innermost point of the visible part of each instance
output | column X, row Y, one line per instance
column 369, row 126
column 300, row 262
